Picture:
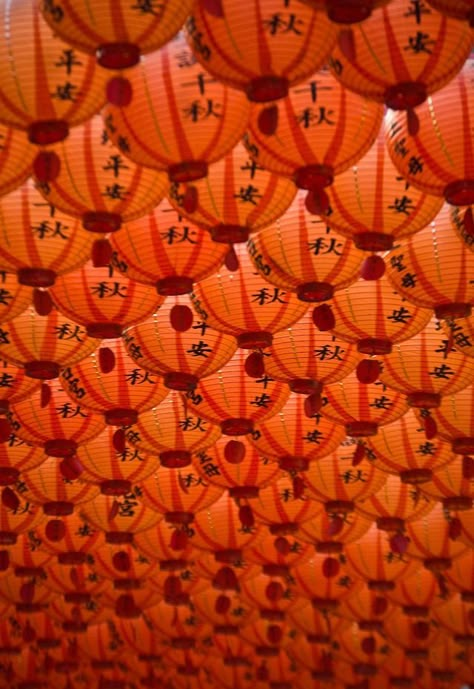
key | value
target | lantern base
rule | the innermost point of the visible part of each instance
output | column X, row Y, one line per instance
column 348, row 11
column 175, row 459
column 72, row 558
column 104, row 331
column 118, row 55
column 236, row 426
column 437, row 564
column 29, row 572
column 273, row 570
column 47, row 644
column 115, row 487
column 318, row 638
column 361, row 429
column 416, row 476
column 293, row 463
column 313, row 177
column 380, row 585
column 8, row 475
column 30, row 608
column 44, row 132
column 101, row 222
column 236, row 661
column 374, row 345
column 463, row 446
column 371, row 626
column 7, row 538
column 329, row 547
column 255, row 340
column 315, row 291
column 183, row 643
column 460, row 193
column 328, row 604
column 58, row 508
column 118, row 537
column 339, row 506
column 226, row 629
column 305, row 386
column 272, row 615
column 179, row 517
column 187, row 171
column 390, row 524
column 373, row 241
column 452, row 311
column 60, row 447
column 228, row 556
column 405, row 95
column 174, row 285
column 424, row 400
column 457, row 503
column 178, row 380
column 127, row 584
column 36, row 277
column 283, row 529
column 172, row 565
column 74, row 627
column 121, row 417
column 267, row 88
column 267, row 651
column 244, row 492
column 42, row 370
column 77, row 597
column 230, row 234
column 467, row 596
column 416, row 610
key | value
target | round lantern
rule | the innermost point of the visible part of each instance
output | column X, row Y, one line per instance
column 27, row 594
column 138, row 636
column 420, row 593
column 452, row 485
column 178, row 345
column 18, row 517
column 242, row 303
column 333, row 529
column 43, row 345
column 432, row 269
column 16, row 159
column 374, row 206
column 318, row 627
column 109, row 461
column 180, row 118
column 161, row 543
column 282, row 507
column 302, row 254
column 61, row 87
column 226, row 613
column 370, row 609
column 173, row 431
column 15, row 298
column 460, row 334
column 110, row 382
column 270, row 596
column 295, row 440
column 71, row 539
column 266, row 637
column 454, row 420
column 278, row 555
column 75, row 618
column 116, row 34
column 457, row 618
column 264, row 52
column 460, row 576
column 402, row 448
column 17, row 456
column 27, row 557
column 58, row 425
column 77, row 584
column 223, row 570
column 237, row 198
column 88, row 177
column 40, row 626
column 445, row 659
column 103, row 300
column 14, row 385
column 308, row 136
column 124, row 565
column 437, row 158
column 325, row 581
column 366, row 651
column 463, row 224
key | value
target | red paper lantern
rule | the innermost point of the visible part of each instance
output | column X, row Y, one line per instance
column 463, row 223
column 278, row 555
column 457, row 618
column 74, row 542
column 270, row 596
column 16, row 159
column 27, row 557
column 17, row 456
column 454, row 420
column 334, row 528
column 460, row 576
column 325, row 581
column 15, row 385
column 318, row 627
column 78, row 583
column 419, row 594
column 370, row 609
column 282, row 508
column 229, row 614
column 16, row 298
column 172, row 550
column 224, row 570
column 18, row 519
column 451, row 485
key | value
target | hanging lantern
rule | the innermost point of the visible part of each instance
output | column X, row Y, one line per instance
column 223, row 570
column 61, row 87
column 370, row 609
column 138, row 636
column 77, row 584
column 113, row 465
column 14, row 385
column 43, row 345
column 161, row 543
column 75, row 618
column 317, row 626
column 225, row 613
column 267, row 638
column 445, row 659
column 17, row 456
column 173, row 431
column 283, row 508
column 333, row 529
column 179, row 346
column 116, row 34
column 40, row 626
column 242, row 303
column 16, row 518
column 278, row 555
column 460, row 332
column 461, row 525
column 302, row 254
column 401, row 448
column 178, row 588
column 103, row 300
column 460, row 576
column 325, row 581
column 266, row 53
column 71, row 539
column 110, row 382
column 238, row 197
column 365, row 651
column 27, row 594
column 457, row 618
column 26, row 556
column 419, row 594
column 295, row 440
column 451, row 485
column 437, row 158
column 59, row 426
column 16, row 159
column 431, row 270
column 270, row 596
column 202, row 118
column 454, row 420
column 312, row 658
column 311, row 139
column 374, row 206
column 15, row 298
column 124, row 565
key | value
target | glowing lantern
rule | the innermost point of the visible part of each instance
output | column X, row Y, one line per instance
column 319, row 628
column 462, row 523
column 17, row 456
column 26, row 556
column 43, row 345
column 137, row 637
column 124, row 565
column 16, row 298
column 225, row 613
column 461, row 333
column 237, row 198
column 224, row 569
column 172, row 431
column 333, row 529
column 271, row 597
column 77, row 584
column 431, row 541
column 267, row 637
column 16, row 159
column 75, row 618
column 431, row 269
column 402, row 448
column 445, row 659
column 311, row 139
column 254, row 399
column 27, row 594
column 283, row 508
column 366, row 652
column 459, row 9
column 461, row 576
column 259, row 56
column 362, row 408
column 242, row 303
column 452, row 485
column 419, row 594
column 278, row 555
column 40, row 626
column 113, row 189
column 110, row 382
column 15, row 385
column 113, row 467
column 160, row 544
column 182, row 356
column 71, row 539
column 103, row 300
column 325, row 581
column 180, row 119
column 58, row 426
column 312, row 658
column 19, row 517
column 294, row 439
column 370, row 609
column 457, row 618
column 373, row 205
column 454, row 420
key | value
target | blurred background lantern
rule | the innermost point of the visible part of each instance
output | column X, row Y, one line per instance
column 88, row 177
column 37, row 241
column 16, row 159
column 27, row 557
column 366, row 651
column 27, row 594
column 302, row 254
column 15, row 297
column 462, row 226
column 17, row 456
column 283, row 508
column 278, row 555
column 239, row 301
column 61, row 87
column 461, row 332
column 419, row 593
column 103, row 300
column 176, row 344
column 310, row 139
column 316, row 625
column 222, row 576
column 237, row 198
column 124, row 565
column 459, row 577
column 456, row 618
column 271, row 597
column 110, row 382
column 229, row 613
column 71, row 539
column 75, row 618
column 325, row 581
column 17, row 516
column 14, row 385
column 370, row 609
column 76, row 584
column 203, row 119
column 280, row 61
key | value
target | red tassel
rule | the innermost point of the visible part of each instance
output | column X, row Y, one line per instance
column 255, row 365
column 28, row 634
column 119, row 439
column 190, row 199
column 27, row 591
column 181, row 318
column 42, row 302
column 420, row 629
column 359, row 454
column 268, row 120
column 317, row 202
column 222, row 604
column 443, row 589
column 70, row 468
column 5, row 430
column 246, row 516
column 368, row 645
column 368, row 370
column 430, row 427
column 274, row 591
column 10, row 499
column 413, row 122
column 469, row 222
column 323, row 317
column 372, row 268
column 399, row 543
column 262, row 674
column 55, row 530
column 46, row 166
column 114, row 510
column 335, row 526
column 225, row 580
column 106, row 360
column 45, row 395
column 454, row 529
column 274, row 634
column 231, row 261
column 213, row 7
column 298, row 487
column 379, row 605
column 119, row 92
column 234, row 452
column 312, row 405
column 467, row 468
column 179, row 540
column 101, row 253
column 121, row 561
column 330, row 567
column 172, row 587
column 347, row 44
column 282, row 545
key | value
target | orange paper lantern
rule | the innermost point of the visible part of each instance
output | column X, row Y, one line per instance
column 454, row 420
column 17, row 456
column 325, row 580
column 282, row 508
column 74, row 542
column 15, row 298
column 16, row 159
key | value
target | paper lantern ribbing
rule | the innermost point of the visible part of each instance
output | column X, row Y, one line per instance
column 419, row 593
column 15, row 299
column 61, row 87
column 315, row 625
column 16, row 159
column 333, row 529
column 325, row 581
column 180, row 118
column 278, row 555
column 159, row 544
column 460, row 576
column 116, row 33
column 302, row 254
column 368, row 608
column 270, row 597
column 454, row 420
column 282, row 508
column 26, row 556
column 17, row 456
column 73, row 542
column 14, row 385
column 238, row 197
column 103, row 300
column 451, row 485
column 457, row 619
column 236, row 615
column 264, row 52
column 431, row 542
column 19, row 519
